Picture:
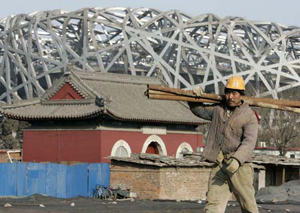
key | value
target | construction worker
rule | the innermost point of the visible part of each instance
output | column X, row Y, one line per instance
column 230, row 143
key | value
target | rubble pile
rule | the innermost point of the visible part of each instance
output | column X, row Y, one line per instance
column 189, row 159
column 288, row 192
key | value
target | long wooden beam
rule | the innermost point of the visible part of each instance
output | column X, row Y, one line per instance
column 190, row 93
column 167, row 93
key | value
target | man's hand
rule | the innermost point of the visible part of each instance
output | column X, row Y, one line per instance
column 232, row 165
column 198, row 91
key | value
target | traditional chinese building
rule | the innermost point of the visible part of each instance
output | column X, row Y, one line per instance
column 87, row 116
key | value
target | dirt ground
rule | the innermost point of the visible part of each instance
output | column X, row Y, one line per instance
column 32, row 205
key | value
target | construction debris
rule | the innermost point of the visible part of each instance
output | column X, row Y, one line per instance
column 167, row 93
column 194, row 159
column 189, row 159
column 7, row 205
column 288, row 192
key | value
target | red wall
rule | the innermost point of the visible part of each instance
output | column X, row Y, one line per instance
column 91, row 145
column 57, row 145
column 136, row 140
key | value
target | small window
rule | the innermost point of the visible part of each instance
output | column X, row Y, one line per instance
column 180, row 155
column 184, row 147
column 121, row 152
column 153, row 148
column 121, row 149
column 292, row 156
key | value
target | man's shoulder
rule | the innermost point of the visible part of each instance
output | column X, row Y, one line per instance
column 246, row 107
column 221, row 107
column 248, row 112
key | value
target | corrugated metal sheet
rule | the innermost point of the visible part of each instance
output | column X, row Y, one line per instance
column 57, row 180
column 7, row 179
column 36, row 178
column 98, row 174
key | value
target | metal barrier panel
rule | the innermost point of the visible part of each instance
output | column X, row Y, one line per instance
column 77, row 183
column 21, row 169
column 57, row 180
column 99, row 174
column 7, row 179
column 36, row 179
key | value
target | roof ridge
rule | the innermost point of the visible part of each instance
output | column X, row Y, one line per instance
column 74, row 81
column 23, row 103
column 114, row 81
column 121, row 78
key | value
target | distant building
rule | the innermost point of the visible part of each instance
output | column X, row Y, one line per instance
column 87, row 116
column 291, row 152
column 278, row 170
column 10, row 155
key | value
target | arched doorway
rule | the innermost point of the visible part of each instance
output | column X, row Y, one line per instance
column 154, row 145
column 153, row 148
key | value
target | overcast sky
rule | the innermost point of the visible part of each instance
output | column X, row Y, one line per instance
column 286, row 12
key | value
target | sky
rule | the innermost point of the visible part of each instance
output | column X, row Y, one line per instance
column 286, row 12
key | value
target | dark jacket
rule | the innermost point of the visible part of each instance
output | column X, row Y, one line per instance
column 235, row 136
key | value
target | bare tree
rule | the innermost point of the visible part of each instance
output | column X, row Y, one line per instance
column 280, row 129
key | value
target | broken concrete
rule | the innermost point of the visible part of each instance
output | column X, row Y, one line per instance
column 288, row 192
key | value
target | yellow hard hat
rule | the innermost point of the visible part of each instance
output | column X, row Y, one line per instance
column 235, row 82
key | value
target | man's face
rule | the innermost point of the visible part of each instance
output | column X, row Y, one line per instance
column 233, row 98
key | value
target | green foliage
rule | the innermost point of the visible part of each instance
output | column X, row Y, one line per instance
column 11, row 136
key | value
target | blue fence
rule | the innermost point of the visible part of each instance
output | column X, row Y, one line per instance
column 57, row 180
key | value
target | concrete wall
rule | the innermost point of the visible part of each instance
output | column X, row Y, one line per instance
column 151, row 182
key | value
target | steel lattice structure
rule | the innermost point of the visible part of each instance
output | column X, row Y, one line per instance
column 37, row 48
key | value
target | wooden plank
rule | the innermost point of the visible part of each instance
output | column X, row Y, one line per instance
column 283, row 174
column 282, row 102
column 167, row 93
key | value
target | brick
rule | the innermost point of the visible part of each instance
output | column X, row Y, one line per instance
column 166, row 183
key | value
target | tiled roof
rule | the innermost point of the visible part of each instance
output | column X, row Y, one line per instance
column 275, row 160
column 276, row 149
column 119, row 96
column 32, row 110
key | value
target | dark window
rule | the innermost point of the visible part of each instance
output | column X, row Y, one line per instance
column 152, row 148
